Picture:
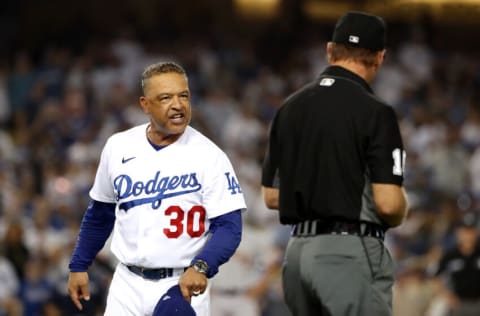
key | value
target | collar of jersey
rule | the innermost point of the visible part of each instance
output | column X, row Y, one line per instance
column 341, row 72
column 155, row 146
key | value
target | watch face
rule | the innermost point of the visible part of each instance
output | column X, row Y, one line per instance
column 200, row 266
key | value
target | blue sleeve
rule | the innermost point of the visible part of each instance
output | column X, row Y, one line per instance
column 226, row 233
column 97, row 224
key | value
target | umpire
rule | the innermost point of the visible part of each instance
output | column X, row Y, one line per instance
column 334, row 169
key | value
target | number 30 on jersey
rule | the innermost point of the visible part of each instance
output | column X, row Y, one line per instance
column 399, row 157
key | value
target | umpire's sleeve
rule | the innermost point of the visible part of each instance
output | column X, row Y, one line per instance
column 385, row 153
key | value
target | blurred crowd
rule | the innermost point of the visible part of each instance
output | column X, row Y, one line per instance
column 58, row 106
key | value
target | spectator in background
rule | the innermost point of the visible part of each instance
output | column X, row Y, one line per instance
column 470, row 130
column 474, row 173
column 35, row 289
column 458, row 272
column 20, row 82
column 244, row 131
column 4, row 102
column 446, row 161
column 217, row 108
column 411, row 293
column 416, row 56
column 14, row 247
column 9, row 287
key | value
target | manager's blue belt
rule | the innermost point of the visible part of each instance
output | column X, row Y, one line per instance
column 155, row 274
column 335, row 227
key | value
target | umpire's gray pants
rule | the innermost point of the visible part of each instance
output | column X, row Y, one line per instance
column 330, row 275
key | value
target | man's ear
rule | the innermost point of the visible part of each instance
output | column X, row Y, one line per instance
column 381, row 57
column 144, row 104
column 329, row 51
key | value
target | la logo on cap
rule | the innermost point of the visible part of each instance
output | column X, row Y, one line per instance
column 354, row 39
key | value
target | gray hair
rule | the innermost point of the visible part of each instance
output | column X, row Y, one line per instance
column 161, row 68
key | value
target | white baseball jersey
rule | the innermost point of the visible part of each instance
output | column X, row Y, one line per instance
column 164, row 198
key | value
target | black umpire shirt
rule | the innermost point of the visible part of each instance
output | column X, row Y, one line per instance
column 328, row 142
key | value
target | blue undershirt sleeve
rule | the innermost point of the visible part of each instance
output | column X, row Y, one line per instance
column 226, row 234
column 96, row 227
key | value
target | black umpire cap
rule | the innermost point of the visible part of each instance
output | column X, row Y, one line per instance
column 359, row 29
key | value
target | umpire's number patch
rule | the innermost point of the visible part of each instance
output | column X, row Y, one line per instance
column 233, row 184
column 399, row 156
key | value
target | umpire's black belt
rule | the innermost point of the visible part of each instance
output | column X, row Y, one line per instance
column 334, row 227
column 156, row 274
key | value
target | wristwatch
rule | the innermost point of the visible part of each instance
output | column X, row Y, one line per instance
column 200, row 266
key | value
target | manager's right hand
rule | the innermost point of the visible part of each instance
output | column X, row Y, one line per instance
column 78, row 288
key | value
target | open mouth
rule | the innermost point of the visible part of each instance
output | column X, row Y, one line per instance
column 177, row 118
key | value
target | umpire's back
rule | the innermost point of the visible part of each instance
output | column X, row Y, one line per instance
column 326, row 132
column 333, row 138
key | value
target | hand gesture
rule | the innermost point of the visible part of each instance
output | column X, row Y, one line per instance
column 78, row 288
